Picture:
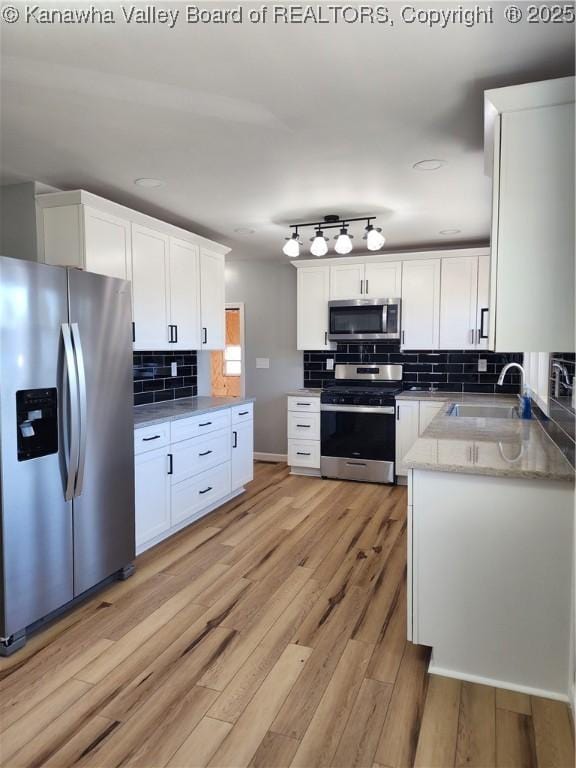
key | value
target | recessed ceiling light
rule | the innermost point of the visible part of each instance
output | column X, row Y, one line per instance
column 429, row 165
column 450, row 231
column 149, row 183
column 244, row 231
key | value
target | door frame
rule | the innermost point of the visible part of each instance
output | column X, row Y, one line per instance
column 239, row 305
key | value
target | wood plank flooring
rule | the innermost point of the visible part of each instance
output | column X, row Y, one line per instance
column 270, row 634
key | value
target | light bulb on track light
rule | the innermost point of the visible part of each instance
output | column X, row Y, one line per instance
column 292, row 246
column 343, row 242
column 374, row 238
column 319, row 245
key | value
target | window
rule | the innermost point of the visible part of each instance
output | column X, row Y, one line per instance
column 233, row 360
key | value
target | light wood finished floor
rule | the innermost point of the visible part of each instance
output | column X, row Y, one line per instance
column 271, row 633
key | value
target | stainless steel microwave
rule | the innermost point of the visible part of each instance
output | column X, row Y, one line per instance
column 364, row 320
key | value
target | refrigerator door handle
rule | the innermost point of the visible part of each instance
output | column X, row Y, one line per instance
column 71, row 431
column 83, row 407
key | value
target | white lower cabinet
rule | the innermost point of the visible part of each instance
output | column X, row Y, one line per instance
column 152, row 495
column 412, row 418
column 242, row 453
column 489, row 557
column 304, row 435
column 407, row 426
column 183, row 474
column 190, row 457
column 191, row 496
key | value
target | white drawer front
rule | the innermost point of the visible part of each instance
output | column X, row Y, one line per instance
column 242, row 413
column 150, row 438
column 190, row 457
column 304, row 453
column 191, row 496
column 183, row 429
column 304, row 426
column 304, row 404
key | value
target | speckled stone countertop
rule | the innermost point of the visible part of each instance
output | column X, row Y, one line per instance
column 304, row 393
column 456, row 397
column 486, row 446
column 156, row 413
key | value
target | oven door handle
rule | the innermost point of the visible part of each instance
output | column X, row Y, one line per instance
column 382, row 409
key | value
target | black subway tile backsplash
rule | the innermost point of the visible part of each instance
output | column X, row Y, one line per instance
column 153, row 380
column 447, row 370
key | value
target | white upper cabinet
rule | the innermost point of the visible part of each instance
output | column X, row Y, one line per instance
column 213, row 309
column 177, row 277
column 149, row 288
column 420, row 313
column 347, row 281
column 370, row 280
column 184, row 294
column 530, row 153
column 107, row 244
column 458, row 303
column 483, row 303
column 86, row 238
column 383, row 280
column 444, row 296
column 312, row 310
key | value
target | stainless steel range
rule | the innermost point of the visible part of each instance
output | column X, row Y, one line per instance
column 358, row 424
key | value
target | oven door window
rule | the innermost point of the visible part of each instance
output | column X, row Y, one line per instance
column 354, row 435
column 355, row 320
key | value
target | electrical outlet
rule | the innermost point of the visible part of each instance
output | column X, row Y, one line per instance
column 330, row 364
column 482, row 365
column 174, row 369
column 262, row 362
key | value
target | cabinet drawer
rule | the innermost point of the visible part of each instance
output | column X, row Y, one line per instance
column 149, row 438
column 242, row 413
column 190, row 457
column 304, row 453
column 304, row 426
column 183, row 429
column 191, row 496
column 308, row 404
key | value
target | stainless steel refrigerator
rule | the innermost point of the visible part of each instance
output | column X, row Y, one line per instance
column 67, row 440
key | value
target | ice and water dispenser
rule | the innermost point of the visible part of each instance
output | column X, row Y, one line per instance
column 37, row 422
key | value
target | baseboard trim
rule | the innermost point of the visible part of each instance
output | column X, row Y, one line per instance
column 274, row 458
column 544, row 694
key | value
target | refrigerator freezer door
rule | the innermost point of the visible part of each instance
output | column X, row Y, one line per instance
column 36, row 520
column 100, row 318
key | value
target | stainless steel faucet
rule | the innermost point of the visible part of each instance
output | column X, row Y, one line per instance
column 560, row 369
column 505, row 370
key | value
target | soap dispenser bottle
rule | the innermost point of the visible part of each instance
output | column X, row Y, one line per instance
column 525, row 405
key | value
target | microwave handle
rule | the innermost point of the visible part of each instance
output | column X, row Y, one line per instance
column 384, row 318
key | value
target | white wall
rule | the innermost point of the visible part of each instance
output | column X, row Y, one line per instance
column 268, row 291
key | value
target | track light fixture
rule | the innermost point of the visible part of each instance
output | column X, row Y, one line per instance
column 374, row 238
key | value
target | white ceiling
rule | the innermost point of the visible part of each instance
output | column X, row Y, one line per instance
column 259, row 125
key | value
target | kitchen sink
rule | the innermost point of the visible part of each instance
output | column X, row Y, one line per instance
column 484, row 411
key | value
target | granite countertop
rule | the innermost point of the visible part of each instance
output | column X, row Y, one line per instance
column 481, row 446
column 171, row 410
column 304, row 393
column 456, row 397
